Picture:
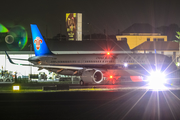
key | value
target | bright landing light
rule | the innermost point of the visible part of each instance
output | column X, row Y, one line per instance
column 157, row 80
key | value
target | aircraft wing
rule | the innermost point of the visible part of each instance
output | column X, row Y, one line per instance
column 60, row 67
column 19, row 59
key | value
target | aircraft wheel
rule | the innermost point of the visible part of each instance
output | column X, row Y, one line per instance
column 81, row 82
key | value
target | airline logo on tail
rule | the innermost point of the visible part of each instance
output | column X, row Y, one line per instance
column 40, row 46
column 37, row 41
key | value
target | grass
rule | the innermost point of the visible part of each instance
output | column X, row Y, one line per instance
column 31, row 86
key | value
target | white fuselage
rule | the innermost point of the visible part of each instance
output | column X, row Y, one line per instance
column 120, row 64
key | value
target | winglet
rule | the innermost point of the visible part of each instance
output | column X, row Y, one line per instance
column 10, row 59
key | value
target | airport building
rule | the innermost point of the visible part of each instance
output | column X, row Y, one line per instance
column 143, row 38
column 74, row 26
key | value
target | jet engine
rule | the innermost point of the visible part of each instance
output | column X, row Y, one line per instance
column 91, row 77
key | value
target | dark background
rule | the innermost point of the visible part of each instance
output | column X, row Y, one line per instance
column 97, row 14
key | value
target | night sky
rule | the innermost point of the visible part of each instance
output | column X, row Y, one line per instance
column 101, row 14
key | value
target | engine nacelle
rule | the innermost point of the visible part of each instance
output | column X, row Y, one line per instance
column 92, row 76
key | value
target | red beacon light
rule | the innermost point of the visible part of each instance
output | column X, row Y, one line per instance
column 108, row 53
column 110, row 76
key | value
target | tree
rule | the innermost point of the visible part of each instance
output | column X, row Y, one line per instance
column 178, row 37
column 169, row 31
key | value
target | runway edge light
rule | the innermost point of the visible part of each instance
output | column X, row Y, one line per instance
column 16, row 87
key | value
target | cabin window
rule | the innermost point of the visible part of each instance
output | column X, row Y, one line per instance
column 154, row 39
column 160, row 39
column 123, row 39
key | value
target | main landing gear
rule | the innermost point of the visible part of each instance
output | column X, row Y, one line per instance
column 81, row 82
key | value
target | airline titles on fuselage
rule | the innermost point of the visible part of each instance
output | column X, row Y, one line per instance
column 106, row 57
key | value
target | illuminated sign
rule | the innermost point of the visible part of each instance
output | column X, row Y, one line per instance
column 74, row 26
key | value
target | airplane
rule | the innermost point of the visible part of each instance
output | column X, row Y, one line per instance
column 93, row 68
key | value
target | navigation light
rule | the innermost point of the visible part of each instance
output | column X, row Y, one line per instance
column 125, row 64
column 157, row 79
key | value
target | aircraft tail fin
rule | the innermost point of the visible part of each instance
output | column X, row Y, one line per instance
column 40, row 46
